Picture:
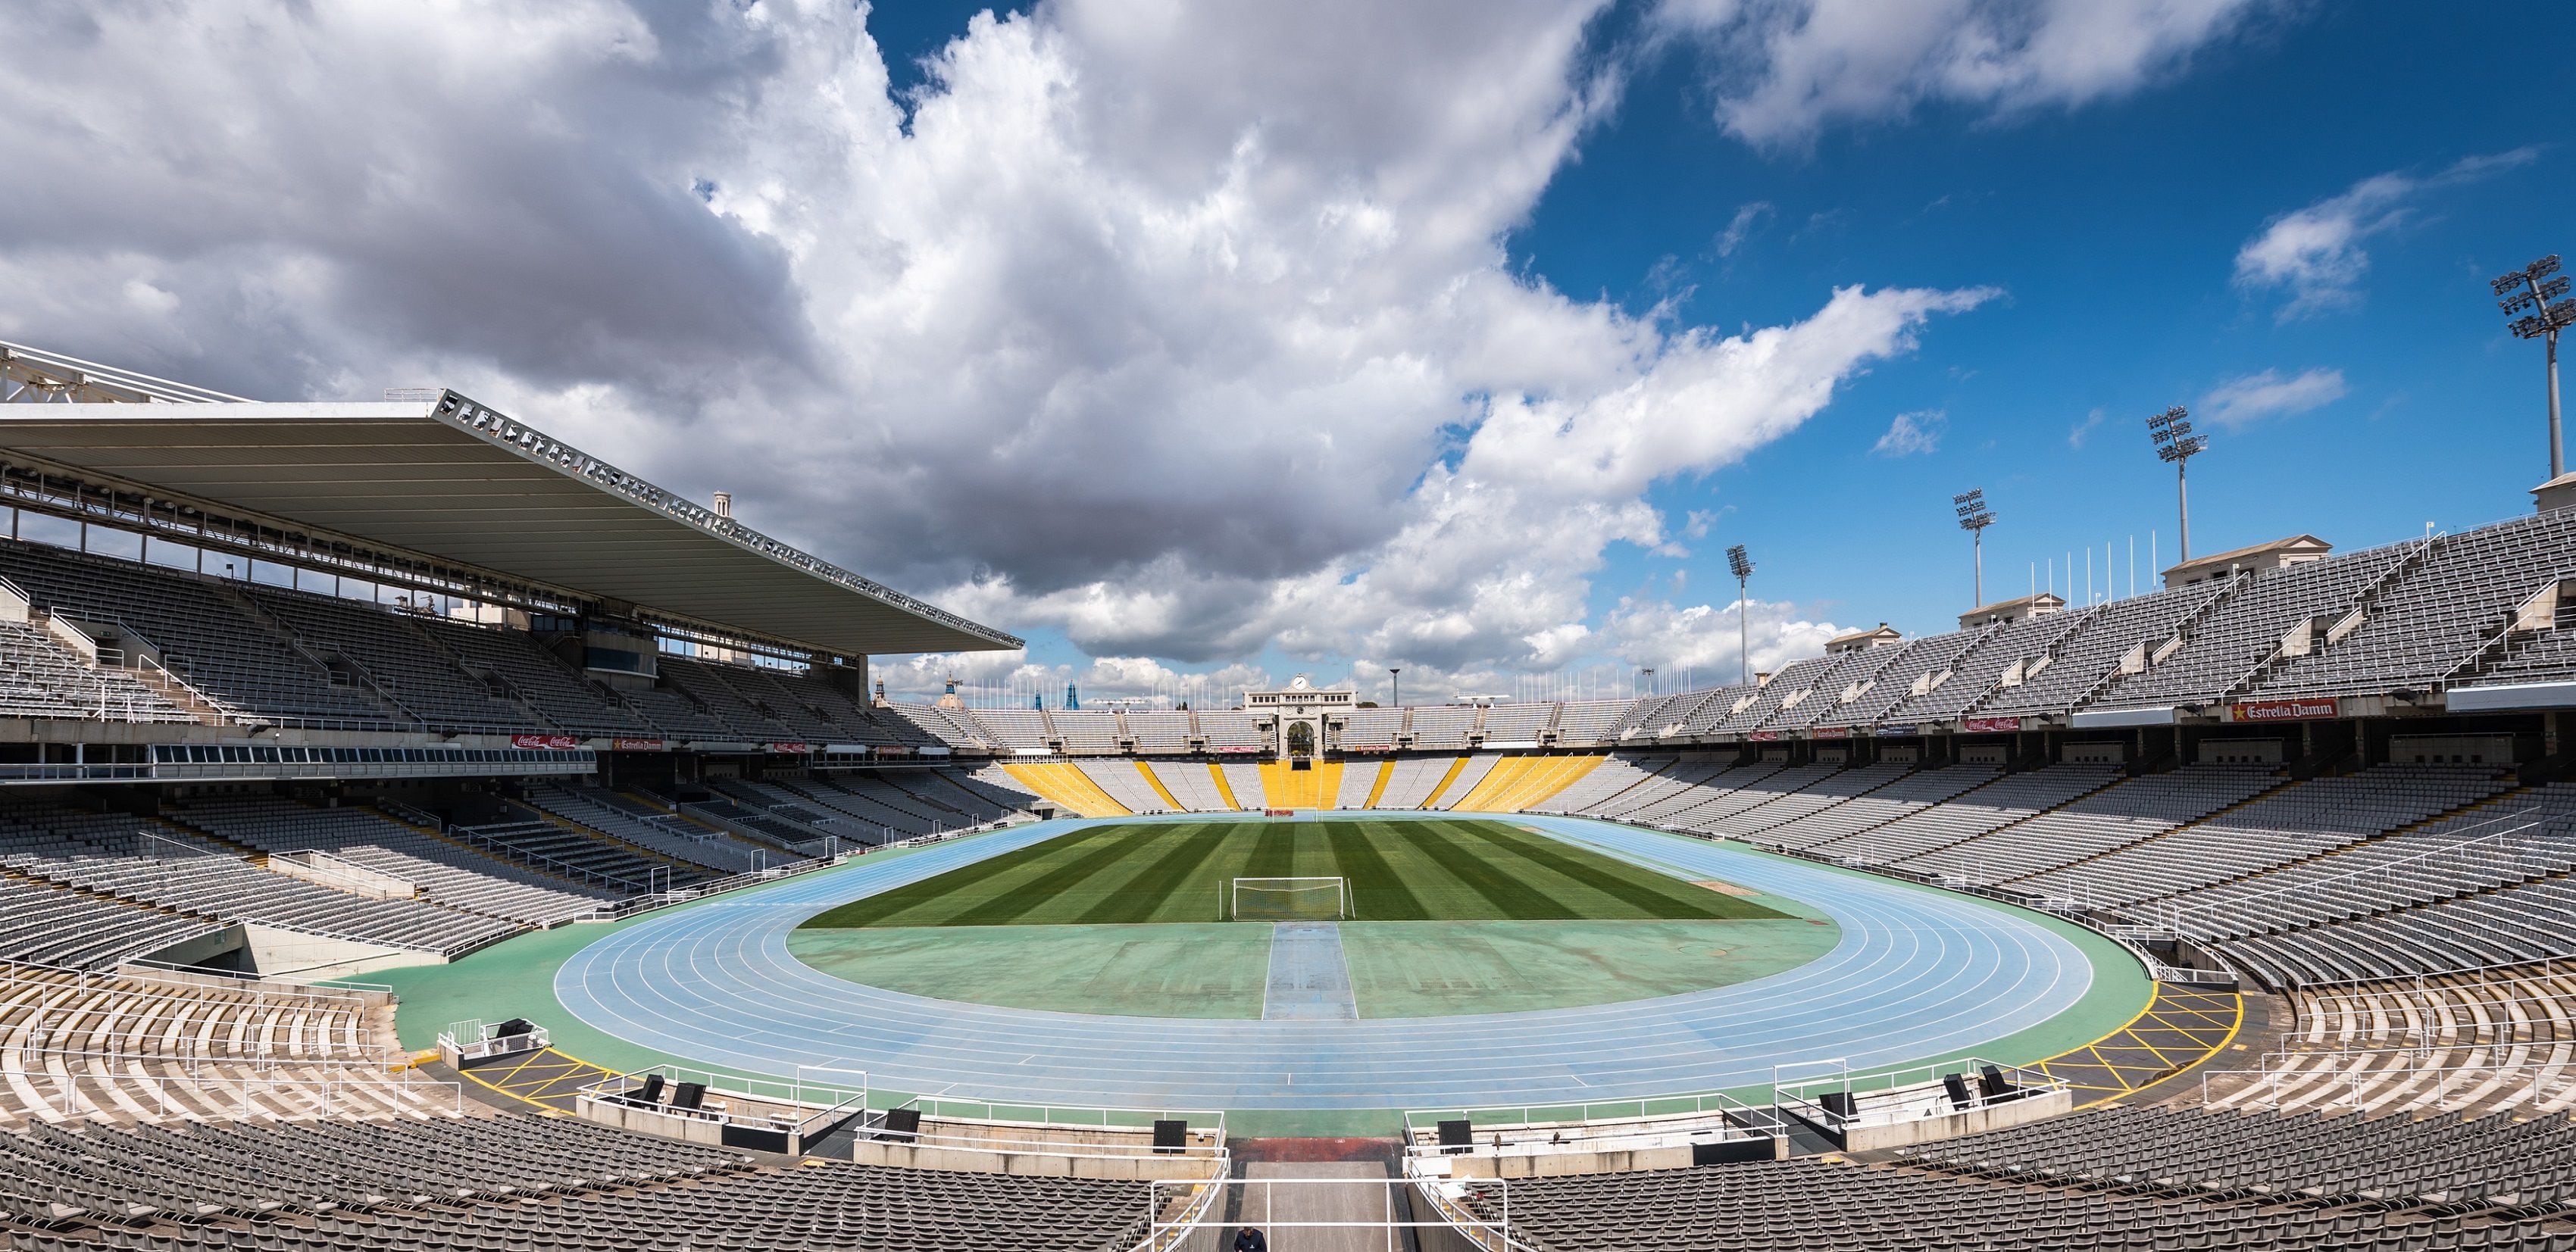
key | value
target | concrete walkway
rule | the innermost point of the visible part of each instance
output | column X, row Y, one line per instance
column 1364, row 1199
column 1310, row 977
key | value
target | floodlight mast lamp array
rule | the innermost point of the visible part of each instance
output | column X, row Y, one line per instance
column 1737, row 561
column 2171, row 431
column 1974, row 518
column 2531, row 291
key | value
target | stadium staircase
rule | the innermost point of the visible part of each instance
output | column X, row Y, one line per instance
column 2327, row 628
column 1377, row 788
column 2479, row 1042
column 678, row 869
column 1067, row 786
column 1224, row 788
column 347, row 674
column 2328, row 854
column 84, row 1048
column 1170, row 802
column 1456, row 767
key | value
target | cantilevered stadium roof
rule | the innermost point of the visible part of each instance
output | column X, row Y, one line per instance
column 449, row 478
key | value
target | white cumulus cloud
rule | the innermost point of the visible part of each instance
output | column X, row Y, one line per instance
column 1786, row 69
column 1186, row 331
column 2315, row 253
column 1913, row 434
column 1704, row 639
column 2240, row 402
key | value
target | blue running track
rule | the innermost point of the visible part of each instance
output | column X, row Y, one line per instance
column 1919, row 974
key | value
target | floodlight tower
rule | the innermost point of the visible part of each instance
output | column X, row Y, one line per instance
column 1395, row 675
column 2529, row 291
column 2171, row 431
column 1974, row 518
column 1743, row 567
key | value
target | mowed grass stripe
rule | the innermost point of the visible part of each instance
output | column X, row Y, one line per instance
column 1274, row 852
column 1652, row 894
column 1509, row 896
column 940, row 899
column 1564, row 896
column 1029, row 903
column 1400, row 869
column 1377, row 892
column 1151, row 892
column 1440, row 893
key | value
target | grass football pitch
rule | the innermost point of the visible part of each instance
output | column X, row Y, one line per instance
column 1399, row 870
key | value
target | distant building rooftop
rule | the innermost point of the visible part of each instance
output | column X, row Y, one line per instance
column 2012, row 610
column 2259, row 559
column 2556, row 494
column 1860, row 639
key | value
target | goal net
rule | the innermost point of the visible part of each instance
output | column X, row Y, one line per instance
column 1288, row 900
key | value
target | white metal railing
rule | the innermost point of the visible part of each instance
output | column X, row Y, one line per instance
column 2421, row 978
column 2185, row 916
column 1009, row 1137
column 16, row 971
column 482, row 840
column 485, row 1042
column 121, row 1053
column 853, row 1101
column 346, row 875
column 1617, row 1125
column 1065, row 1116
column 245, row 1097
column 624, row 1088
column 620, row 910
column 2436, row 1018
column 1178, row 1209
column 2363, row 1086
column 796, row 1093
column 1919, row 1088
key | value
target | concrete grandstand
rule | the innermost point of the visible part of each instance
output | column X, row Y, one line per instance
column 383, row 775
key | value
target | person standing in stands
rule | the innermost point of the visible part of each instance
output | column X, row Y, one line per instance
column 1250, row 1240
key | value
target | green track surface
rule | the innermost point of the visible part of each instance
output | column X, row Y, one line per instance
column 1453, row 869
column 1439, row 969
column 1204, row 969
column 1398, row 969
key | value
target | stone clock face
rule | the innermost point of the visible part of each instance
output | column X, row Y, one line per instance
column 1298, row 683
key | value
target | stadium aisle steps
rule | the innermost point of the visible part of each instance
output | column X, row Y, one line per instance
column 1067, row 786
column 1548, row 781
column 1503, row 776
column 1385, row 771
column 1224, row 790
column 1170, row 801
column 1188, row 782
column 1285, row 787
column 1433, row 799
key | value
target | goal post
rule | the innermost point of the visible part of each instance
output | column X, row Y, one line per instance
column 1288, row 900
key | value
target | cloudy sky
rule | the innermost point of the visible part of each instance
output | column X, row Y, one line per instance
column 1236, row 340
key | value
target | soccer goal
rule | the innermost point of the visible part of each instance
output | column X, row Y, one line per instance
column 1288, row 900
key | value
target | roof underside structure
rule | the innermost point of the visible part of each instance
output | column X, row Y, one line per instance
column 464, row 486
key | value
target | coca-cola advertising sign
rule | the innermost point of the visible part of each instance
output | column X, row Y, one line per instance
column 2308, row 709
column 551, row 743
column 788, row 749
column 1990, row 725
column 1763, row 736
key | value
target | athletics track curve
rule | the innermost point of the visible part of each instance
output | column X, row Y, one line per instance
column 1919, row 974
